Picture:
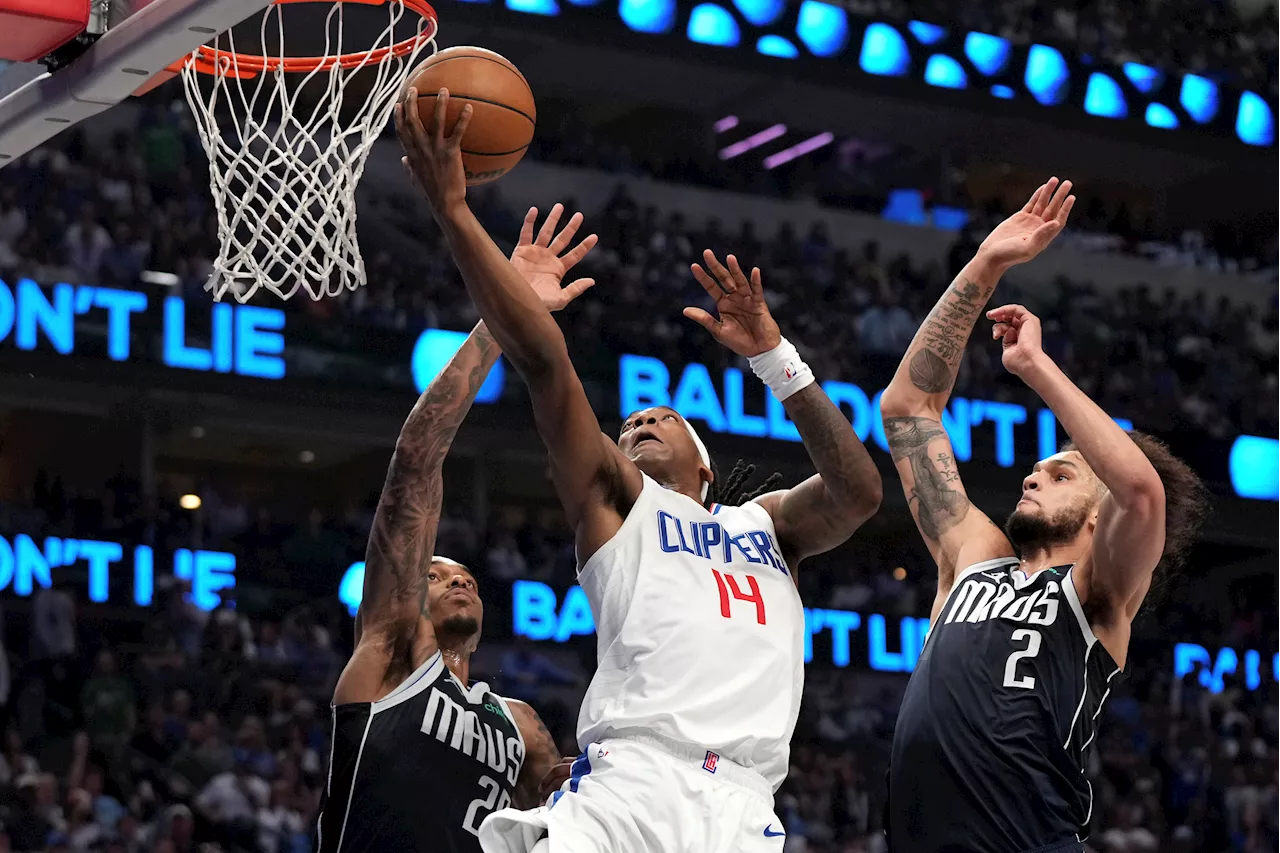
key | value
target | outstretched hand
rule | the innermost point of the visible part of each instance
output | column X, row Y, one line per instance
column 745, row 324
column 1026, row 234
column 543, row 261
column 1018, row 331
column 432, row 158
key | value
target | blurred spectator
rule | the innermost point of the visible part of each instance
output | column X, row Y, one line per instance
column 232, row 801
column 108, row 704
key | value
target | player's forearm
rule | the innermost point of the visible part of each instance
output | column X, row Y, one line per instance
column 927, row 373
column 431, row 426
column 849, row 489
column 404, row 527
column 518, row 320
column 1115, row 459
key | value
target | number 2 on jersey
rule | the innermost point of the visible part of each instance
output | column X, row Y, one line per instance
column 754, row 597
column 490, row 802
column 1011, row 677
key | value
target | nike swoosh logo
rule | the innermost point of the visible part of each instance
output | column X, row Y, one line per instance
column 768, row 834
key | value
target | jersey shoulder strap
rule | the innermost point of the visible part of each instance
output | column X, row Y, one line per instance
column 417, row 681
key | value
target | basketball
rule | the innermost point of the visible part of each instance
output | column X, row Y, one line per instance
column 503, row 112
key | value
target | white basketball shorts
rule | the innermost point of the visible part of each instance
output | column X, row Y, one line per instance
column 644, row 795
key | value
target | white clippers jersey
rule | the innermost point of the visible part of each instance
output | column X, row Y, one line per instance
column 700, row 631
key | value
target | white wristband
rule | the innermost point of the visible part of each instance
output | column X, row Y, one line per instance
column 782, row 370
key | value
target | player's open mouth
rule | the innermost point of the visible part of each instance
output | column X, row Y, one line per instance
column 643, row 437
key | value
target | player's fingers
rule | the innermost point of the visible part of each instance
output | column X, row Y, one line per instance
column 562, row 240
column 576, row 288
column 1042, row 199
column 1059, row 198
column 739, row 277
column 1031, row 202
column 416, row 139
column 757, row 286
column 435, row 133
column 408, row 170
column 1065, row 211
column 723, row 279
column 1004, row 313
column 580, row 251
column 702, row 318
column 460, row 127
column 526, row 227
column 548, row 229
column 713, row 287
column 1044, row 234
column 998, row 331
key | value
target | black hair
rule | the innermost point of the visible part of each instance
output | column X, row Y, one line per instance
column 732, row 491
column 1185, row 507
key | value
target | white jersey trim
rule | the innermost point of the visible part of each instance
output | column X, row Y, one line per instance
column 420, row 679
column 355, row 774
column 506, row 706
column 995, row 563
column 1073, row 598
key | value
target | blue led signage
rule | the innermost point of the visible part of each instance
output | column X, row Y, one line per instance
column 244, row 340
column 892, row 644
column 432, row 352
column 884, row 643
column 1212, row 670
column 26, row 564
column 936, row 56
column 645, row 381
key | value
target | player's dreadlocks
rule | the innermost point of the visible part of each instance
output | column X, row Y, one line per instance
column 731, row 490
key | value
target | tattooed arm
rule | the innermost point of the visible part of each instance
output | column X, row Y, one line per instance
column 390, row 641
column 393, row 634
column 540, row 755
column 957, row 533
column 825, row 510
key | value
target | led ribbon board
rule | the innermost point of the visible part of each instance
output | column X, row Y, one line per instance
column 937, row 57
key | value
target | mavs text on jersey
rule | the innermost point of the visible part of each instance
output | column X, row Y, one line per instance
column 421, row 768
column 1004, row 702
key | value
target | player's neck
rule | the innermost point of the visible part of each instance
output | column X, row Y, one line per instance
column 693, row 490
column 1046, row 557
column 458, row 660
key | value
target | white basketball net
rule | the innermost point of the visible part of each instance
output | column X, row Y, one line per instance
column 283, row 173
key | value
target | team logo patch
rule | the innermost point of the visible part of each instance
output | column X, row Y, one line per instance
column 711, row 761
column 789, row 371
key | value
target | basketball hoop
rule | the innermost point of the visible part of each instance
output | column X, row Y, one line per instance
column 287, row 139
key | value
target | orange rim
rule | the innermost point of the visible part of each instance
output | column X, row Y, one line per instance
column 212, row 60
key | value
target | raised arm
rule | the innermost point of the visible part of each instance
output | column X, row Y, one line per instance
column 595, row 482
column 398, row 556
column 825, row 510
column 956, row 532
column 1130, row 535
column 402, row 540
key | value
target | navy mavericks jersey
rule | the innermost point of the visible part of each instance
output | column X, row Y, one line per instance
column 419, row 769
column 988, row 753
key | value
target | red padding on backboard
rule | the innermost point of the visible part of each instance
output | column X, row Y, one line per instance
column 31, row 29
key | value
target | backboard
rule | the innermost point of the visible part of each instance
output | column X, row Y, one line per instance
column 138, row 40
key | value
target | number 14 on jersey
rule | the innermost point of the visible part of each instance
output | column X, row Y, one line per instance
column 727, row 583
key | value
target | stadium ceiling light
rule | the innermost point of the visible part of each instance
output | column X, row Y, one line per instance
column 800, row 149
column 191, row 502
column 755, row 140
column 726, row 123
